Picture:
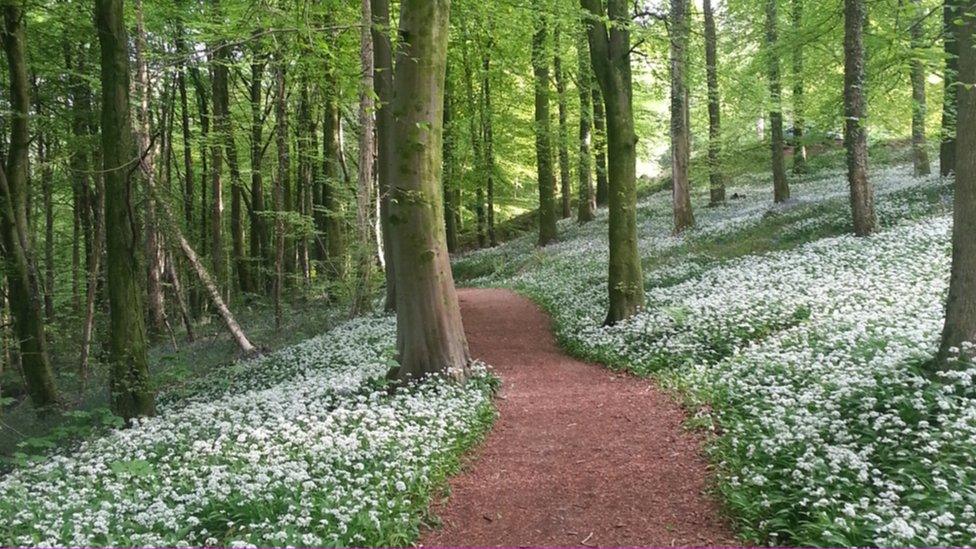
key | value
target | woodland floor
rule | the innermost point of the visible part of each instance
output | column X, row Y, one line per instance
column 579, row 455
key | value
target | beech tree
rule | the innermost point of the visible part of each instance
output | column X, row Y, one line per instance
column 430, row 336
column 855, row 111
column 586, row 205
column 680, row 132
column 781, row 187
column 610, row 57
column 920, row 153
column 716, row 178
column 543, row 133
column 947, row 141
column 130, row 388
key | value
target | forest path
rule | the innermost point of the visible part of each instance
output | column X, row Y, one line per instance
column 579, row 455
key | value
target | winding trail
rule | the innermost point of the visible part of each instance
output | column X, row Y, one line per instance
column 579, row 455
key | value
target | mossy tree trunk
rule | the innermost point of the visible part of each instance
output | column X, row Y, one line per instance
column 543, row 133
column 716, row 177
column 920, row 153
column 23, row 290
column 781, row 187
column 130, row 387
column 610, row 57
column 855, row 111
column 960, row 321
column 680, row 131
column 430, row 336
column 586, row 205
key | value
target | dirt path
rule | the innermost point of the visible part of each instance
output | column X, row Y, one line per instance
column 579, row 456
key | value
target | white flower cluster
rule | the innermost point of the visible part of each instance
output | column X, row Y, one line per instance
column 298, row 448
column 809, row 359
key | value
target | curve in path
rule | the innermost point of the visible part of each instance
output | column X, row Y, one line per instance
column 579, row 455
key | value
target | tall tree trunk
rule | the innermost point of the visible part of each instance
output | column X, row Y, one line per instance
column 960, row 320
column 448, row 177
column 364, row 184
column 94, row 269
column 781, row 188
column 610, row 56
column 24, row 290
column 281, row 176
column 488, row 138
column 260, row 246
column 600, row 146
column 855, row 111
column 131, row 391
column 303, row 183
column 799, row 99
column 219, row 77
column 383, row 87
column 147, row 150
column 78, row 163
column 475, row 106
column 680, row 138
column 920, row 153
column 335, row 246
column 47, row 190
column 188, row 174
column 543, row 133
column 430, row 337
column 716, row 177
column 564, row 184
column 203, row 102
column 947, row 145
column 586, row 205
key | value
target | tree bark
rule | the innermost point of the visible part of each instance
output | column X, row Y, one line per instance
column 799, row 97
column 218, row 71
column 448, row 181
column 365, row 251
column 132, row 394
column 586, row 204
column 855, row 112
column 680, row 138
column 947, row 145
column 488, row 138
column 610, row 57
column 47, row 190
column 564, row 183
column 716, row 178
column 960, row 320
column 335, row 246
column 383, row 87
column 24, row 290
column 781, row 188
column 543, row 133
column 600, row 146
column 920, row 153
column 430, row 337
column 281, row 175
column 260, row 245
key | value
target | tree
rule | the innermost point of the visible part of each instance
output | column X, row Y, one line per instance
column 799, row 96
column 430, row 337
column 130, row 387
column 488, row 138
column 716, row 178
column 920, row 154
column 563, row 135
column 383, row 86
column 610, row 57
column 23, row 286
column 781, row 188
column 587, row 197
column 855, row 111
column 680, row 132
column 364, row 184
column 960, row 319
column 600, row 146
column 947, row 145
column 543, row 134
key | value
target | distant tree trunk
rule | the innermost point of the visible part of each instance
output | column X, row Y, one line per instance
column 855, row 111
column 24, row 290
column 218, row 71
column 430, row 337
column 475, row 106
column 947, row 145
column 281, row 136
column 543, row 133
column 680, row 138
column 564, row 183
column 303, row 183
column 385, row 169
column 448, row 182
column 716, row 178
column 146, row 148
column 488, row 138
column 203, row 107
column 587, row 198
column 781, row 188
column 365, row 249
column 799, row 102
column 131, row 391
column 94, row 269
column 960, row 320
column 600, row 147
column 332, row 159
column 920, row 153
column 187, row 134
column 78, row 163
column 260, row 245
column 47, row 190
column 610, row 56
column 174, row 279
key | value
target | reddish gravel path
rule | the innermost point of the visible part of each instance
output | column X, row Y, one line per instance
column 579, row 456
